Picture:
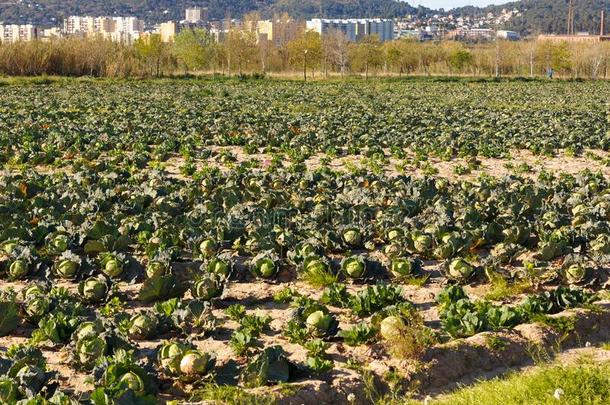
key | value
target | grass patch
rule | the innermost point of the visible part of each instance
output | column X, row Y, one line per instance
column 501, row 288
column 319, row 277
column 417, row 281
column 225, row 394
column 582, row 383
column 495, row 342
column 561, row 324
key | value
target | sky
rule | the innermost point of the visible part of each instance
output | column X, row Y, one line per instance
column 448, row 4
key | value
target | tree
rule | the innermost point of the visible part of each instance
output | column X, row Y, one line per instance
column 555, row 56
column 305, row 51
column 429, row 54
column 194, row 48
column 336, row 47
column 153, row 51
column 366, row 54
column 458, row 57
column 402, row 55
column 240, row 48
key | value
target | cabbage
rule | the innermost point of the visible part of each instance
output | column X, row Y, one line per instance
column 143, row 325
column 18, row 269
column 90, row 350
column 423, row 243
column 60, row 243
column 218, row 266
column 195, row 363
column 93, row 289
column 112, row 265
column 155, row 269
column 319, row 321
column 170, row 355
column 352, row 237
column 401, row 267
column 67, row 268
column 354, row 266
column 132, row 381
column 207, row 248
column 460, row 269
column 391, row 327
column 264, row 266
column 207, row 287
column 575, row 273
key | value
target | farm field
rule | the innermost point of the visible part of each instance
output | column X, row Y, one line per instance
column 280, row 242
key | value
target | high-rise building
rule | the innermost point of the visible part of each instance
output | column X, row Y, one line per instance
column 196, row 15
column 167, row 31
column 354, row 29
column 279, row 32
column 119, row 29
column 49, row 33
column 79, row 25
column 27, row 32
column 15, row 33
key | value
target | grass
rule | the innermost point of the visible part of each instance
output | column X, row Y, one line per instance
column 562, row 324
column 501, row 288
column 224, row 394
column 582, row 383
column 495, row 342
column 415, row 280
column 319, row 278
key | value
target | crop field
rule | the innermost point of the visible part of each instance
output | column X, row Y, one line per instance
column 224, row 241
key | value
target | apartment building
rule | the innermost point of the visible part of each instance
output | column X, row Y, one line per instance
column 119, row 29
column 167, row 31
column 354, row 29
column 196, row 15
column 279, row 32
column 16, row 33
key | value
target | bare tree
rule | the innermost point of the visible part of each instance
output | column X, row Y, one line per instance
column 336, row 50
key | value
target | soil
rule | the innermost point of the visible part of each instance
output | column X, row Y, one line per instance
column 441, row 368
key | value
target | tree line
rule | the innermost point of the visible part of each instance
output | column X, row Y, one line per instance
column 309, row 54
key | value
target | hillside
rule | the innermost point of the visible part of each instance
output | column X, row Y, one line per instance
column 548, row 15
column 47, row 12
column 537, row 15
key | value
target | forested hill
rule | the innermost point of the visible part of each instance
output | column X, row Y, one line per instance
column 49, row 12
column 549, row 15
column 537, row 15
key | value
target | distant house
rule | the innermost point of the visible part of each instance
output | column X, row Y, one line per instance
column 508, row 35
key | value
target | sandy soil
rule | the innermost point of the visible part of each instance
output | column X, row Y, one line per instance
column 442, row 368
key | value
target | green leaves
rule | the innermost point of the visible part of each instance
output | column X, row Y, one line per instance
column 120, row 378
column 9, row 317
column 161, row 288
column 271, row 366
column 358, row 334
column 461, row 317
column 374, row 298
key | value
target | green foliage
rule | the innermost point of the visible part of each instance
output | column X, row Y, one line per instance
column 358, row 334
column 582, row 383
column 461, row 317
column 374, row 298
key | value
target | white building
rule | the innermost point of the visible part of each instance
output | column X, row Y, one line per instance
column 354, row 29
column 196, row 15
column 508, row 35
column 118, row 29
column 15, row 33
column 130, row 25
column 77, row 25
column 49, row 33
